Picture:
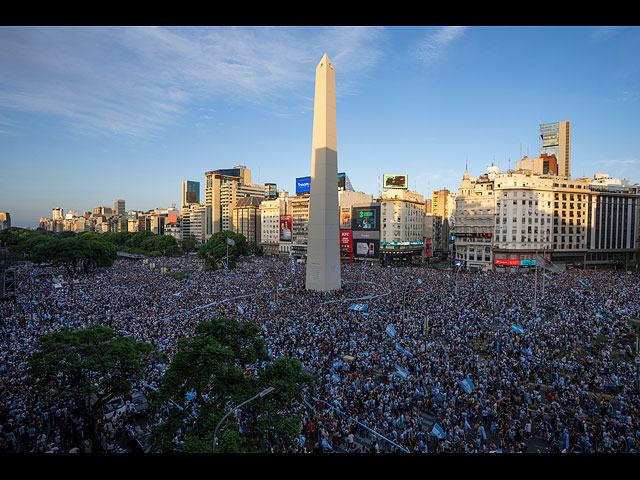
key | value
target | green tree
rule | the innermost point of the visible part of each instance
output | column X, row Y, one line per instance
column 208, row 376
column 90, row 365
column 189, row 243
column 216, row 249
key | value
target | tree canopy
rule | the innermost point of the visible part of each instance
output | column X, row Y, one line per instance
column 216, row 370
column 214, row 252
column 88, row 365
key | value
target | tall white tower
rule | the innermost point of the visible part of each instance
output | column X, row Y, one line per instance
column 323, row 254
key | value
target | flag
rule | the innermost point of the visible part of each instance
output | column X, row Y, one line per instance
column 517, row 328
column 565, row 440
column 467, row 385
column 402, row 372
column 438, row 432
column 390, row 330
column 293, row 266
column 230, row 241
column 358, row 307
column 272, row 303
column 419, row 282
column 240, row 309
column 583, row 284
column 325, row 444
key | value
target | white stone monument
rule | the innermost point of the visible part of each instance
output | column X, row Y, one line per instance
column 323, row 252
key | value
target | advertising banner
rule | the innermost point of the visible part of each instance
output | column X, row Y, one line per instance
column 345, row 217
column 346, row 238
column 285, row 228
column 395, row 181
column 365, row 218
column 303, row 185
column 341, row 181
column 366, row 248
column 500, row 261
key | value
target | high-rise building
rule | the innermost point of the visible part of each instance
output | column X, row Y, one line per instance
column 556, row 140
column 5, row 220
column 323, row 252
column 443, row 204
column 246, row 218
column 119, row 207
column 190, row 193
column 273, row 237
column 193, row 220
column 57, row 213
column 505, row 220
column 222, row 190
column 402, row 225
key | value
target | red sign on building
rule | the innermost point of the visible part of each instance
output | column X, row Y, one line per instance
column 346, row 240
column 499, row 261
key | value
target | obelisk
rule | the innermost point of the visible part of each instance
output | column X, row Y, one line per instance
column 323, row 253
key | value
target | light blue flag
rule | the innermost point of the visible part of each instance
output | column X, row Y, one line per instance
column 358, row 307
column 467, row 385
column 517, row 328
column 293, row 266
column 438, row 432
column 240, row 309
column 419, row 282
column 390, row 330
column 402, row 372
column 325, row 444
column 565, row 440
column 583, row 284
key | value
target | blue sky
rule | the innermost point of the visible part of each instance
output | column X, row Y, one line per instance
column 90, row 115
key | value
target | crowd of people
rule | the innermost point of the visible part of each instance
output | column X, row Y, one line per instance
column 413, row 358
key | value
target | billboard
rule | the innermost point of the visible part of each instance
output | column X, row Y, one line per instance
column 514, row 263
column 345, row 217
column 346, row 239
column 365, row 218
column 341, row 181
column 303, row 185
column 366, row 248
column 395, row 181
column 285, row 228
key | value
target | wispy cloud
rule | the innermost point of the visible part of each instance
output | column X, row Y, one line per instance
column 137, row 80
column 619, row 162
column 436, row 42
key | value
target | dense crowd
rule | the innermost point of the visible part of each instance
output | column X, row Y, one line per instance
column 471, row 352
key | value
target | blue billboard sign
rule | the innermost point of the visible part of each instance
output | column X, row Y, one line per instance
column 303, row 185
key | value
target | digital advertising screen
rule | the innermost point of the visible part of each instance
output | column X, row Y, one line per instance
column 395, row 181
column 303, row 185
column 365, row 218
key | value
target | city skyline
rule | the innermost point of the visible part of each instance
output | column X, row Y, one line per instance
column 91, row 115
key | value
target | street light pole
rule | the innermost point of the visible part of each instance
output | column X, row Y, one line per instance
column 259, row 395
